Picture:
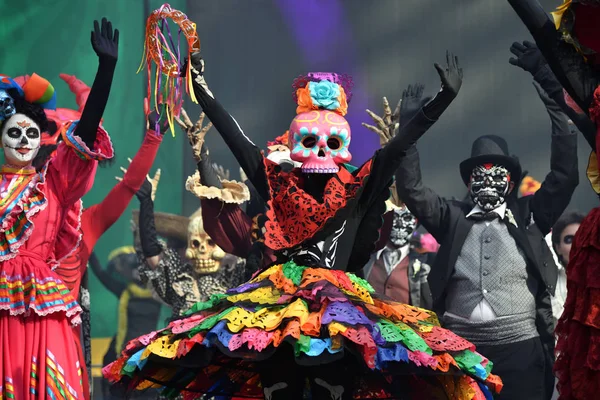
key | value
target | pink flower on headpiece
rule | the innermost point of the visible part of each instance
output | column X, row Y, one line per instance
column 429, row 244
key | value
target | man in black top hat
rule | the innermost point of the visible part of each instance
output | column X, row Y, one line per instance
column 493, row 276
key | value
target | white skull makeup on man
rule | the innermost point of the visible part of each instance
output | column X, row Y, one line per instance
column 403, row 227
column 489, row 186
column 202, row 252
column 21, row 140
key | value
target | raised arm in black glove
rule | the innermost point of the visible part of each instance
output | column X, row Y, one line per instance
column 389, row 158
column 148, row 236
column 248, row 155
column 412, row 101
column 451, row 78
column 105, row 42
column 529, row 57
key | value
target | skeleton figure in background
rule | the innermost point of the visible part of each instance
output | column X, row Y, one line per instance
column 203, row 253
column 490, row 183
column 404, row 225
column 190, row 267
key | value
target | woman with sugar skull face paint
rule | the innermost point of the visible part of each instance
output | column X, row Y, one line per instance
column 40, row 213
column 308, row 316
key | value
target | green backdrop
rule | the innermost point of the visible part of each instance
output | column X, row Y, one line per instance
column 50, row 37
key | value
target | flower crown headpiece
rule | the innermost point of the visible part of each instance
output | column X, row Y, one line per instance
column 323, row 91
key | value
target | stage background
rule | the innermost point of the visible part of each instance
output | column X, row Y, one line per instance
column 253, row 51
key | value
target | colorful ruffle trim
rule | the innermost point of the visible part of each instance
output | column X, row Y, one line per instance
column 232, row 192
column 578, row 348
column 20, row 204
column 320, row 312
column 103, row 149
column 42, row 295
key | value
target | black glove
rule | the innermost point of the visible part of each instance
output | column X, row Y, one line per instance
column 145, row 191
column 412, row 102
column 528, row 57
column 451, row 78
column 158, row 122
column 208, row 175
column 105, row 43
column 148, row 237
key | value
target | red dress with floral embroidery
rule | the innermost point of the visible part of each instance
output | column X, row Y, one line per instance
column 40, row 227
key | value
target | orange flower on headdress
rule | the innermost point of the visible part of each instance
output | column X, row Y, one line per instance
column 343, row 108
column 305, row 103
column 529, row 186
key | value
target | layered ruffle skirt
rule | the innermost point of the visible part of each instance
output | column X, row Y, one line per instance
column 325, row 315
column 578, row 348
column 38, row 356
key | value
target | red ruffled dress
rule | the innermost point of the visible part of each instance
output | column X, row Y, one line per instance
column 577, row 364
column 40, row 214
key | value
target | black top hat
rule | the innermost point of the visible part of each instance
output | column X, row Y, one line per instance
column 490, row 149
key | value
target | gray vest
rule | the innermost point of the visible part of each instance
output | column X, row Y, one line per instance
column 491, row 266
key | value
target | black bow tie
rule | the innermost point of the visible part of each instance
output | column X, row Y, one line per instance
column 489, row 216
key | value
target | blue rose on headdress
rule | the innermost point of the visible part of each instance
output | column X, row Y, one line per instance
column 325, row 94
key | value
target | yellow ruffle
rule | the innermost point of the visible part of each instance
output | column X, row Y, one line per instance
column 232, row 192
column 265, row 318
column 592, row 172
column 164, row 348
column 264, row 295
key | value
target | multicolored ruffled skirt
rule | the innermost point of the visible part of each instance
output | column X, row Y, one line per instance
column 577, row 364
column 325, row 315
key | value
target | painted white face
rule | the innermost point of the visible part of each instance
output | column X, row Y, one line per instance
column 21, row 139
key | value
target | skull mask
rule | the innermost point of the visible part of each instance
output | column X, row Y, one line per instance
column 490, row 184
column 202, row 251
column 403, row 227
column 7, row 105
column 21, row 140
column 319, row 140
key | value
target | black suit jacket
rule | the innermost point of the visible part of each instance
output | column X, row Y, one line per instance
column 534, row 217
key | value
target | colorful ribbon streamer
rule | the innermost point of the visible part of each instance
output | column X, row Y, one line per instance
column 166, row 56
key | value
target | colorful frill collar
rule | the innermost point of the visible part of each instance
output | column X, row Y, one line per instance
column 21, row 201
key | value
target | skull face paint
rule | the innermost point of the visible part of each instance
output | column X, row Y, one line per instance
column 21, row 139
column 490, row 183
column 403, row 227
column 320, row 141
column 202, row 251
